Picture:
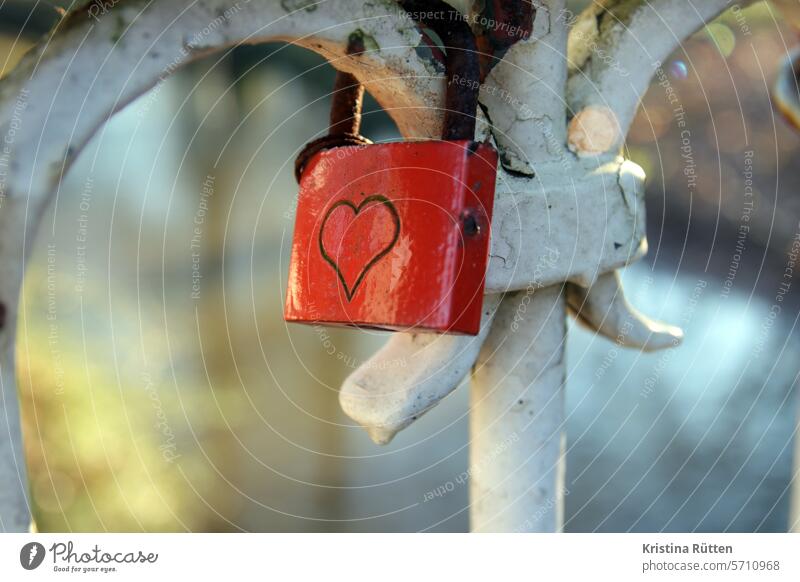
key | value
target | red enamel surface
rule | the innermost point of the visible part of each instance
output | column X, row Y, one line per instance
column 393, row 236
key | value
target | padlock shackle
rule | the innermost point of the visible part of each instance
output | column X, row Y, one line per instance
column 348, row 96
column 462, row 67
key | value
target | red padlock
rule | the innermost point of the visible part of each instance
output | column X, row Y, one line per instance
column 395, row 236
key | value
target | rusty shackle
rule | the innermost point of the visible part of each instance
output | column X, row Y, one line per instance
column 462, row 72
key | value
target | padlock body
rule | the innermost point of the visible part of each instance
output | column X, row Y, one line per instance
column 393, row 236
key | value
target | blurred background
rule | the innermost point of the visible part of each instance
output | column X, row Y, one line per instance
column 162, row 390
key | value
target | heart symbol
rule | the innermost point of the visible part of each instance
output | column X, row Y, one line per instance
column 360, row 239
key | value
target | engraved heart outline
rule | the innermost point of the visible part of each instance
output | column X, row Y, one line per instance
column 356, row 210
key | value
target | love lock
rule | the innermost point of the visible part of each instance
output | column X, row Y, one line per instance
column 395, row 236
column 388, row 236
column 547, row 230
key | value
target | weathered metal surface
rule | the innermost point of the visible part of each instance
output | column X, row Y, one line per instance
column 604, row 309
column 410, row 375
column 516, row 479
column 570, row 223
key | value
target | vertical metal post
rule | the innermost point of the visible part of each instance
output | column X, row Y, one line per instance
column 517, row 417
